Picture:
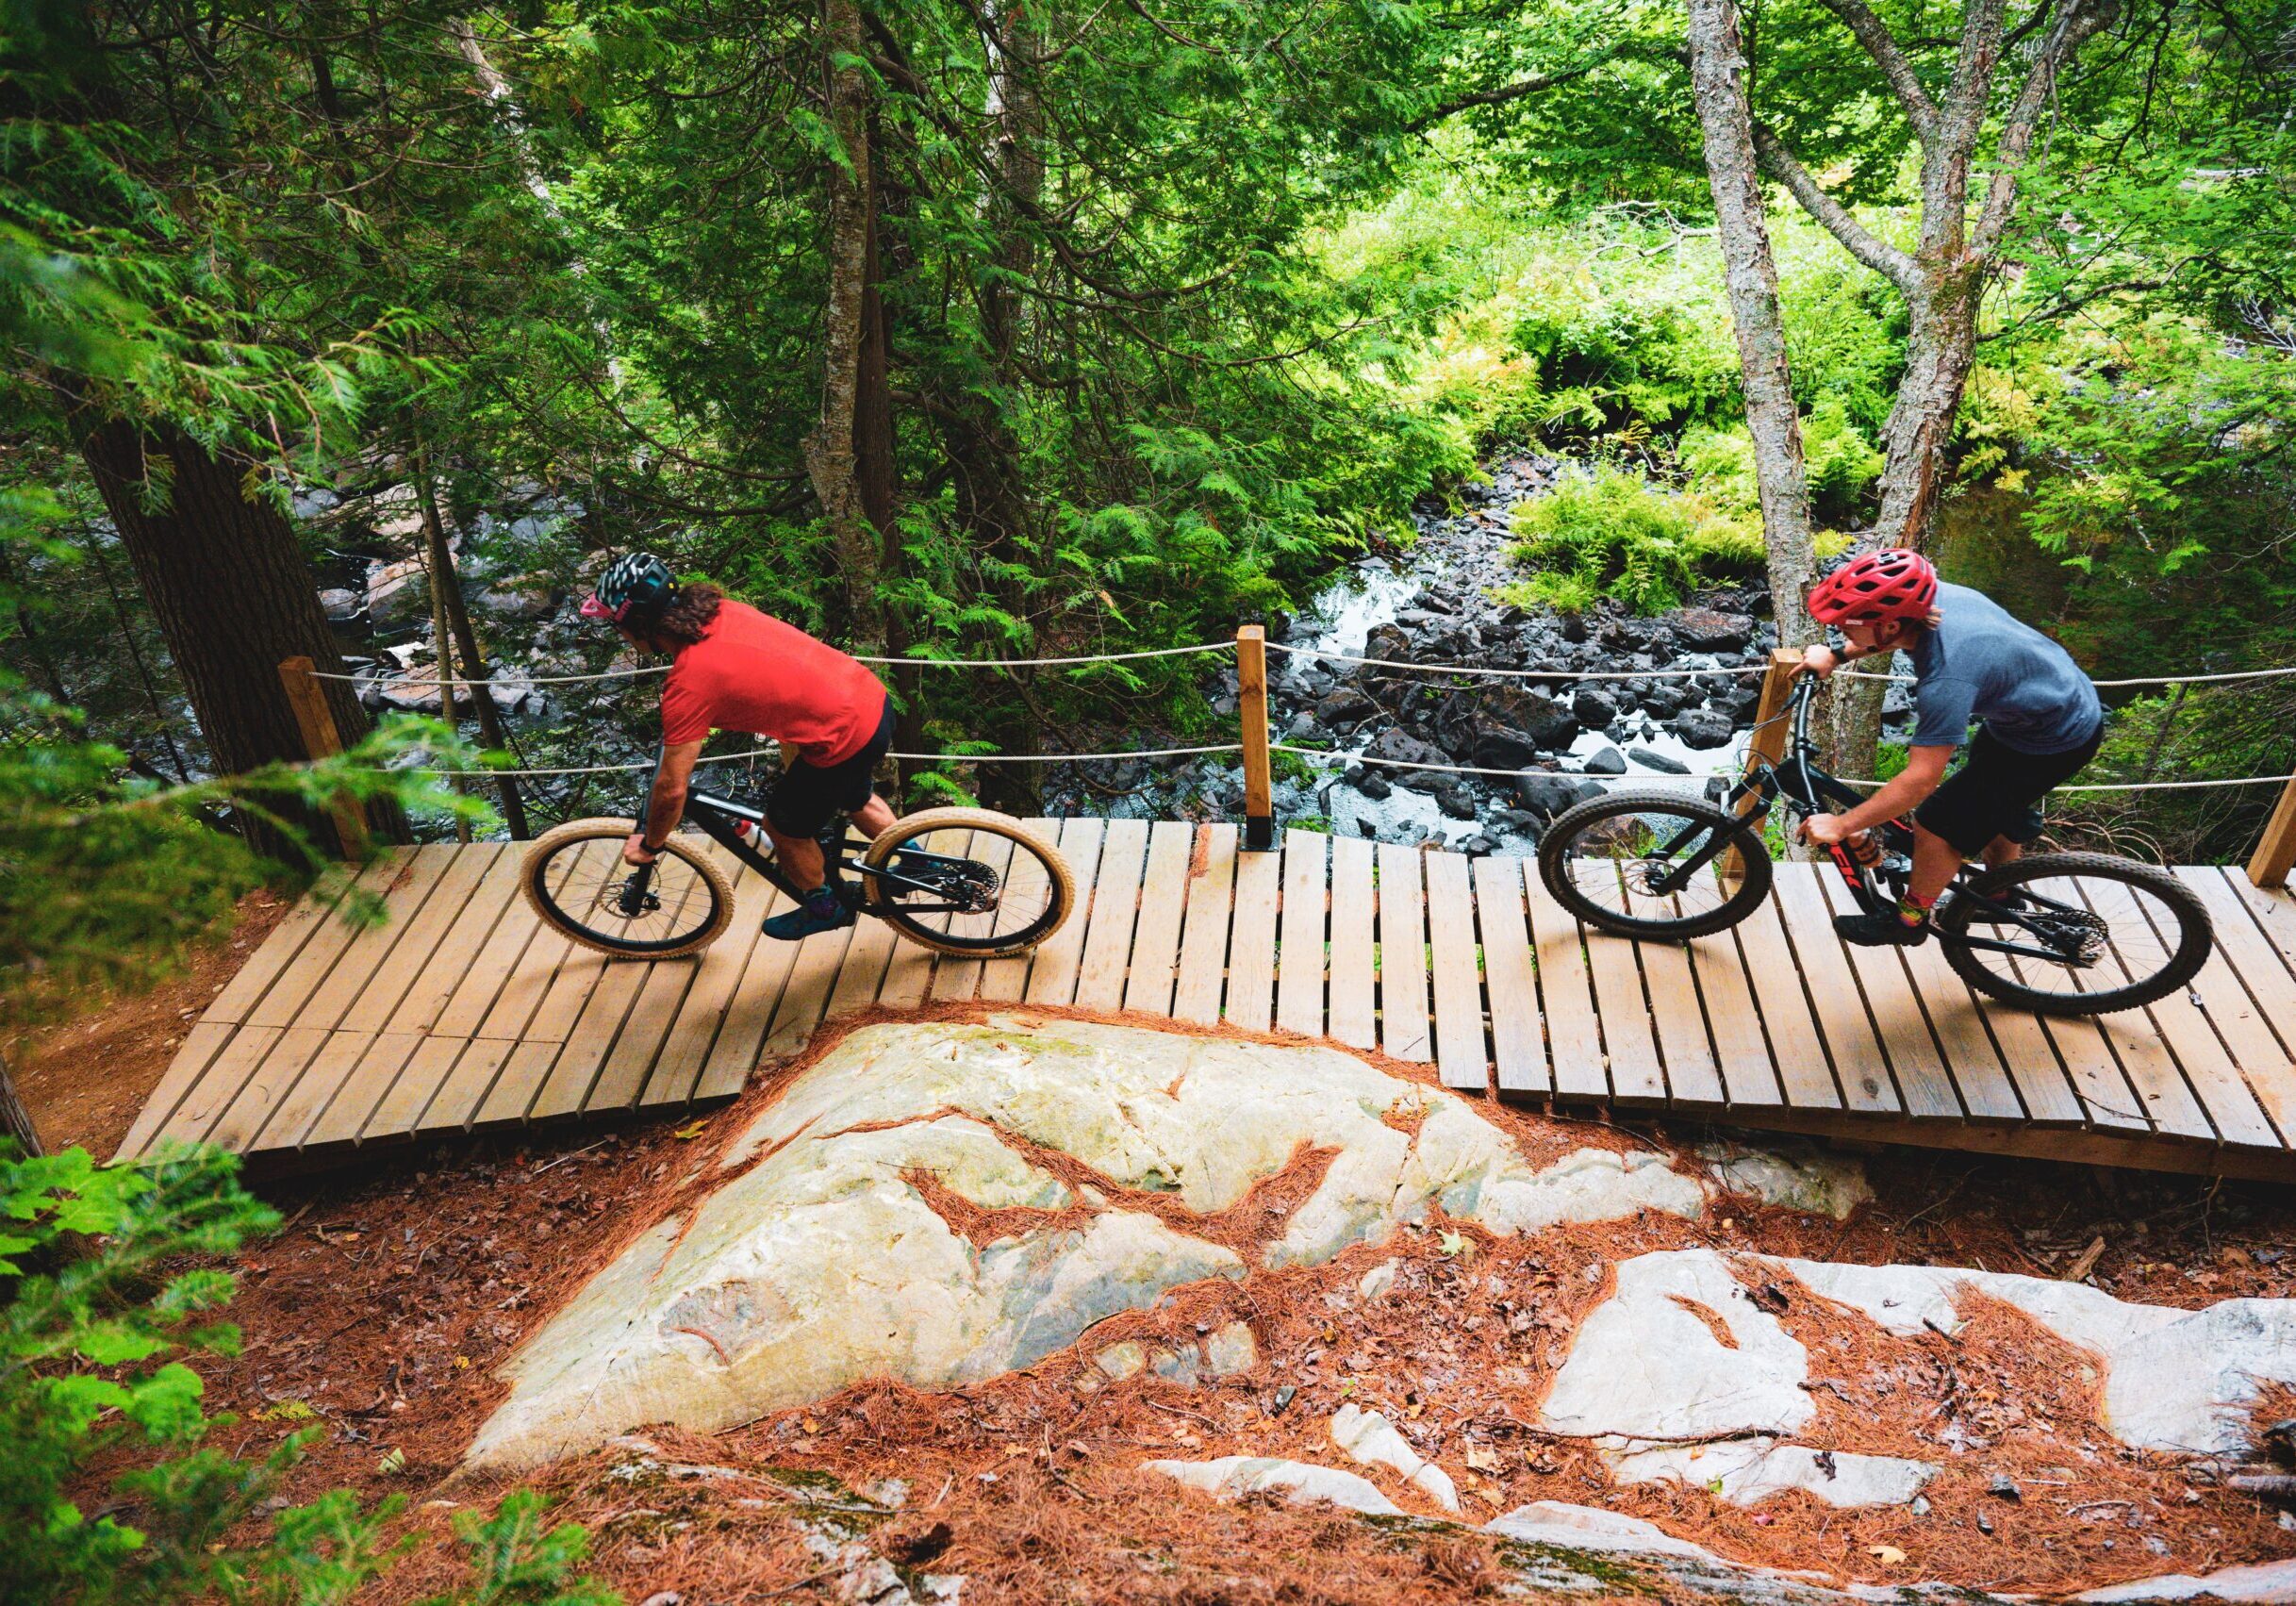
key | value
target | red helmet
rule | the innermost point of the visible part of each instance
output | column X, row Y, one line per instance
column 1893, row 583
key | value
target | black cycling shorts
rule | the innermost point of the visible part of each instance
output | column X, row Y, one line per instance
column 807, row 795
column 1995, row 790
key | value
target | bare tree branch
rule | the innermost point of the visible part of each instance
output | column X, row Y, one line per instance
column 1508, row 92
column 2074, row 25
column 1882, row 47
column 1875, row 253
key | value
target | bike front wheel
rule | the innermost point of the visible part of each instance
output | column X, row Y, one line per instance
column 2093, row 933
column 575, row 879
column 967, row 881
column 1649, row 863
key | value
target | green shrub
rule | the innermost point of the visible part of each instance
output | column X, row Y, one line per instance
column 1614, row 532
column 97, row 1310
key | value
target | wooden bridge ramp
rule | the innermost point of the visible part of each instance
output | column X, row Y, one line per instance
column 463, row 1013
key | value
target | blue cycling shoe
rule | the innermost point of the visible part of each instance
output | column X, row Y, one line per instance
column 821, row 911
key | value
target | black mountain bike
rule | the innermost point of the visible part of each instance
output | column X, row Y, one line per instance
column 2058, row 933
column 962, row 880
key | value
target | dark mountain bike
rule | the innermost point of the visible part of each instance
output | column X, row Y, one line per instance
column 962, row 880
column 2058, row 933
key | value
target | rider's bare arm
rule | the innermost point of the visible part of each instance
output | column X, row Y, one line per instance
column 1925, row 769
column 667, row 803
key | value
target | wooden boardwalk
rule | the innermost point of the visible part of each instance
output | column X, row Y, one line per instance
column 463, row 1013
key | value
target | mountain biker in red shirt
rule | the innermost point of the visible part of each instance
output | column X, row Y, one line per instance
column 2038, row 721
column 740, row 669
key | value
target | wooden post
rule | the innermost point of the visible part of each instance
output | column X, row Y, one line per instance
column 2276, row 849
column 1768, row 743
column 322, row 740
column 1251, row 715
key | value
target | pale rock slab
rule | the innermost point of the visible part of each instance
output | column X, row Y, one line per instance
column 1232, row 1477
column 2258, row 1582
column 1751, row 1471
column 1806, row 1178
column 1372, row 1439
column 2175, row 1380
column 1645, row 1364
column 816, row 1264
column 1589, row 1528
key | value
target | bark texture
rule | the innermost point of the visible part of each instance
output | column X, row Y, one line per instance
column 1718, row 75
column 830, row 459
column 231, row 592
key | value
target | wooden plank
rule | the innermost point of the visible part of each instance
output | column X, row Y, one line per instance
column 395, row 1113
column 2043, row 1087
column 1861, row 1063
column 505, row 969
column 220, row 1084
column 1629, row 1043
column 372, row 1074
column 269, row 1085
column 2273, row 911
column 372, row 947
column 955, row 978
column 1980, row 1073
column 1742, row 1051
column 282, row 1003
column 1518, row 1047
column 2251, row 997
column 472, row 931
column 1355, row 985
column 1402, row 926
column 1924, row 1083
column 1797, row 1046
column 741, row 1037
column 660, row 997
column 273, row 955
column 2208, row 1071
column 289, row 1121
column 1566, row 995
column 2152, row 1072
column 909, row 974
column 1252, row 941
column 454, row 1107
column 1115, row 908
column 1164, row 904
column 2275, row 854
column 201, row 1044
column 1053, row 968
column 1203, row 940
column 1462, row 1058
column 709, row 1002
column 514, row 1091
column 813, row 976
column 1679, row 1016
column 387, row 987
column 1299, row 952
column 861, row 972
column 592, row 1038
column 1005, row 981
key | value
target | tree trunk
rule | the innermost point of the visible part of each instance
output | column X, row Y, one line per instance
column 1718, row 73
column 15, row 1120
column 830, row 449
column 449, row 585
column 233, row 596
column 1938, row 350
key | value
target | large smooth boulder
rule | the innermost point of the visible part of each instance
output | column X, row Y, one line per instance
column 1300, row 1483
column 822, row 1258
column 1710, row 630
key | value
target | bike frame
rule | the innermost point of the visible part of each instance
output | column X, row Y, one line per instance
column 721, row 820
column 1806, row 789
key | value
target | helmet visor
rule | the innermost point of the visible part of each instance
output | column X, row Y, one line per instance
column 593, row 608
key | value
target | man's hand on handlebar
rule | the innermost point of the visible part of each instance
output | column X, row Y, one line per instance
column 1820, row 660
column 1824, row 829
column 633, row 851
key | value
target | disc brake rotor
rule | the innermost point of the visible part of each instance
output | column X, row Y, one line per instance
column 2077, row 935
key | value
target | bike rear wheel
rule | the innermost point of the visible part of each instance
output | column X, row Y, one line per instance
column 574, row 878
column 967, row 881
column 2125, row 934
column 1601, row 858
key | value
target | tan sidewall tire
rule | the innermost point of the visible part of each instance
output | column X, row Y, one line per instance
column 911, row 827
column 604, row 829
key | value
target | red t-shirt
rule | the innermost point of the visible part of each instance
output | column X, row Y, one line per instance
column 749, row 671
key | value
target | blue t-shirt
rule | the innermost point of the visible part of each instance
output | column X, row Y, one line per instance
column 1980, row 663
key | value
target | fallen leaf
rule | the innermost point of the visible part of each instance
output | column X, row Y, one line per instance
column 393, row 1463
column 691, row 1128
column 1482, row 1457
column 1888, row 1555
column 1455, row 1244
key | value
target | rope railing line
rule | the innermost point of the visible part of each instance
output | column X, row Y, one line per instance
column 515, row 678
column 1514, row 674
column 908, row 757
column 2105, row 685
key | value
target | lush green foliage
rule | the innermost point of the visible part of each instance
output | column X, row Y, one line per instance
column 108, row 1284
